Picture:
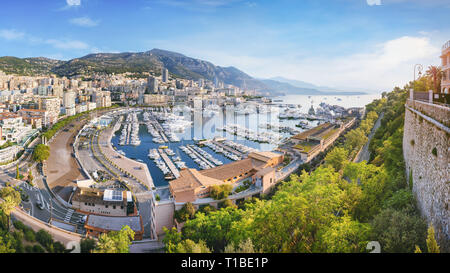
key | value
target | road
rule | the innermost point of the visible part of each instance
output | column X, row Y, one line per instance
column 288, row 170
column 365, row 153
column 143, row 199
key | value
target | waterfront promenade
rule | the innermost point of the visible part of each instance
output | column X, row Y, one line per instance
column 62, row 167
column 139, row 170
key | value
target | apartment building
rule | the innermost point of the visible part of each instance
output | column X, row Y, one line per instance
column 12, row 128
column 53, row 106
column 445, row 58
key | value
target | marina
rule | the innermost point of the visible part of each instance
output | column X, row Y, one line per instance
column 223, row 136
column 174, row 171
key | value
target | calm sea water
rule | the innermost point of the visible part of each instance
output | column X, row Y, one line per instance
column 345, row 101
column 206, row 128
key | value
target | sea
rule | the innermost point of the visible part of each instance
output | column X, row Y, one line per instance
column 206, row 127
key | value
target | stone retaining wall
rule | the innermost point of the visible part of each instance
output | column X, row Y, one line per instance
column 426, row 145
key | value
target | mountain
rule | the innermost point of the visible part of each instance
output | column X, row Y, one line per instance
column 152, row 61
column 28, row 66
column 286, row 88
column 323, row 89
column 295, row 83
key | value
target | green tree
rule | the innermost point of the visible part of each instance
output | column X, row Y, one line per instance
column 298, row 212
column 45, row 239
column 245, row 246
column 189, row 246
column 186, row 212
column 399, row 231
column 219, row 192
column 171, row 239
column 41, row 153
column 355, row 139
column 87, row 245
column 373, row 181
column 11, row 199
column 337, row 158
column 30, row 177
column 6, row 246
column 432, row 245
column 17, row 172
column 215, row 229
column 115, row 241
column 227, row 204
column 344, row 235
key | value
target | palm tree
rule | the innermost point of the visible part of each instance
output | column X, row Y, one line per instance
column 435, row 72
column 11, row 199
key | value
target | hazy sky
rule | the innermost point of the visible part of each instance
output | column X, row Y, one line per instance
column 339, row 43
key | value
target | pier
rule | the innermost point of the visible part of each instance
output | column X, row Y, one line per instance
column 202, row 158
column 160, row 130
column 229, row 149
column 169, row 163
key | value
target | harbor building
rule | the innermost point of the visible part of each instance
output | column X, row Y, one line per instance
column 194, row 184
column 310, row 143
column 96, row 225
column 103, row 202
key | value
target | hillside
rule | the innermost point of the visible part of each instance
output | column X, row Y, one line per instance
column 28, row 66
column 152, row 61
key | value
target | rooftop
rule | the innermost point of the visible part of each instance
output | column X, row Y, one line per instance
column 97, row 196
column 314, row 131
column 114, row 223
column 230, row 170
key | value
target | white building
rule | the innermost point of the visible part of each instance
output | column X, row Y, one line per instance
column 69, row 99
column 12, row 128
column 9, row 154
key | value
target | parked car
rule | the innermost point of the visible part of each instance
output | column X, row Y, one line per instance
column 39, row 204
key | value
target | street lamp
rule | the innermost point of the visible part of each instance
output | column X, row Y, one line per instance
column 419, row 68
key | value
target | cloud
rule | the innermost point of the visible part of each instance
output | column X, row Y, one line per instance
column 84, row 22
column 73, row 2
column 373, row 2
column 67, row 44
column 11, row 34
column 379, row 67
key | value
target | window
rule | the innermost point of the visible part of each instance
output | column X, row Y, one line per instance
column 106, row 206
column 114, row 207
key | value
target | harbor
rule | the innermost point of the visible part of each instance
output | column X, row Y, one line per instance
column 169, row 140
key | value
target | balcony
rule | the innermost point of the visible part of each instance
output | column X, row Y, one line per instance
column 433, row 98
column 446, row 46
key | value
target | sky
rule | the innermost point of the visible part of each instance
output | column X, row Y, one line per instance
column 347, row 44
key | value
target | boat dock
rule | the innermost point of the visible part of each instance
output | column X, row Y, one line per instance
column 229, row 149
column 169, row 163
column 159, row 128
column 202, row 158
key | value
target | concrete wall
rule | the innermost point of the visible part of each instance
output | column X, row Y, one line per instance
column 164, row 216
column 430, row 173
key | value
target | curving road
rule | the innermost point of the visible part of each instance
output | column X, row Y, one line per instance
column 365, row 154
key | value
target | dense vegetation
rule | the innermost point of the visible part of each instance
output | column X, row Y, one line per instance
column 339, row 207
column 27, row 66
column 41, row 153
